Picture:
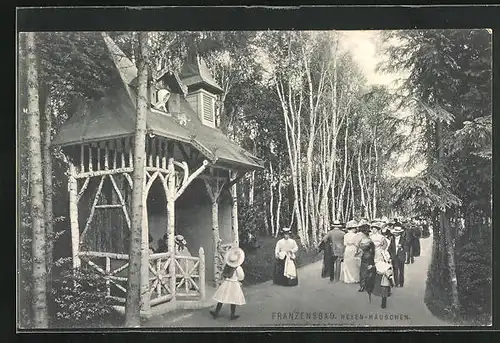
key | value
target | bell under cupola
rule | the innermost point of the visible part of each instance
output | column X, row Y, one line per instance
column 203, row 91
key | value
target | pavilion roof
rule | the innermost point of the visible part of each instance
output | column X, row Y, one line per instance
column 113, row 116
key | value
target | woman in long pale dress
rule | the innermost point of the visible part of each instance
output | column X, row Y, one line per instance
column 285, row 272
column 351, row 265
column 230, row 292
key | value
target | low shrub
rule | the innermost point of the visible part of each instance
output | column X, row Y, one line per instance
column 473, row 270
column 474, row 277
column 79, row 298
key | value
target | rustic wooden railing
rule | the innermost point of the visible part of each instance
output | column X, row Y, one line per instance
column 190, row 276
column 114, row 269
column 189, row 281
column 160, row 286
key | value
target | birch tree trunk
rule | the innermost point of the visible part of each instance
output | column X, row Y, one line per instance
column 47, row 186
column 280, row 197
column 362, row 193
column 293, row 144
column 375, row 179
column 251, row 188
column 313, row 114
column 340, row 205
column 271, row 200
column 353, row 203
column 133, row 306
column 37, row 210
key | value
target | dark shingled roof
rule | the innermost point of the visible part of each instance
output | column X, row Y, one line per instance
column 114, row 116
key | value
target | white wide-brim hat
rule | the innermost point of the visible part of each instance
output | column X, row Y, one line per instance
column 234, row 257
column 377, row 224
column 285, row 230
column 351, row 224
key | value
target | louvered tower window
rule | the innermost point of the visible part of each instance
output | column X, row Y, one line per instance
column 208, row 108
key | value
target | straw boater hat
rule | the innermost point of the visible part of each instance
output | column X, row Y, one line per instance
column 397, row 229
column 338, row 224
column 351, row 224
column 234, row 257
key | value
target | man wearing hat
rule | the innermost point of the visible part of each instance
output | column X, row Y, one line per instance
column 398, row 259
column 408, row 241
column 285, row 272
column 333, row 246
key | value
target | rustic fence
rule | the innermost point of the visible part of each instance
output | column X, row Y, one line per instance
column 188, row 283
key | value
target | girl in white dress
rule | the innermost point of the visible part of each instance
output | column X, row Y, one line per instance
column 230, row 292
column 351, row 265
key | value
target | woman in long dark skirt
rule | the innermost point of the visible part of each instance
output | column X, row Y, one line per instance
column 417, row 234
column 383, row 265
column 367, row 269
column 285, row 272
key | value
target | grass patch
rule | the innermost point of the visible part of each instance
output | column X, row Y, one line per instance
column 259, row 262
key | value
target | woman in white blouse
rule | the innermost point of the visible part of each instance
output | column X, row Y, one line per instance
column 285, row 271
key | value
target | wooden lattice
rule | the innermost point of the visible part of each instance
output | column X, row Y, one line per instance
column 114, row 270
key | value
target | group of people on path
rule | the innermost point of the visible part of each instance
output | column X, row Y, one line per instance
column 372, row 254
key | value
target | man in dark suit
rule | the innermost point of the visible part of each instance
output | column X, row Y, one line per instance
column 408, row 242
column 398, row 259
column 333, row 246
column 417, row 234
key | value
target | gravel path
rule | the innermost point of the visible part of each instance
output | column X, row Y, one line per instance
column 317, row 302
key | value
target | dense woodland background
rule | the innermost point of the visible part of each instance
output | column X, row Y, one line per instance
column 330, row 141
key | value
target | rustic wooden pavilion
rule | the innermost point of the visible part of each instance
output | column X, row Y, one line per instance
column 191, row 174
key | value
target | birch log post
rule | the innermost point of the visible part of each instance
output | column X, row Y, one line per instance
column 145, row 297
column 234, row 212
column 213, row 193
column 216, row 239
column 201, row 254
column 171, row 222
column 39, row 294
column 133, row 298
column 73, row 215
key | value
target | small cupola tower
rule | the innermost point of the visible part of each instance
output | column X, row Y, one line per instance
column 203, row 91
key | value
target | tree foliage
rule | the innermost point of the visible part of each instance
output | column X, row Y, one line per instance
column 448, row 91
